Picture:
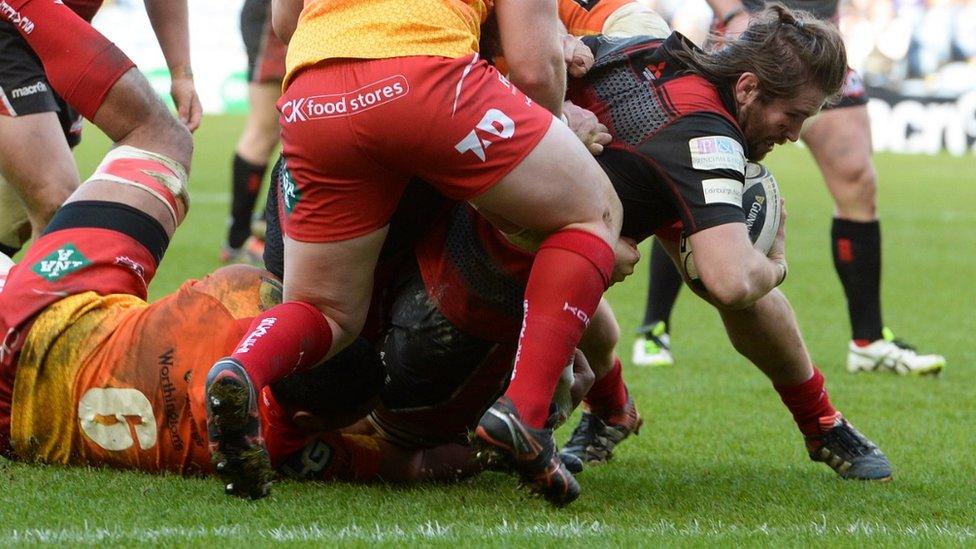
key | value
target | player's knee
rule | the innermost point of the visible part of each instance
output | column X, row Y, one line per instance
column 160, row 176
column 855, row 190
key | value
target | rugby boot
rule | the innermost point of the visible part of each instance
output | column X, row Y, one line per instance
column 652, row 346
column 237, row 449
column 847, row 451
column 596, row 436
column 890, row 354
column 501, row 437
column 250, row 253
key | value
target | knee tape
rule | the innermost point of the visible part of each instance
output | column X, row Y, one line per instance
column 159, row 175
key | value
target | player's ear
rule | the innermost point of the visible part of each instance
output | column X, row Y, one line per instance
column 747, row 88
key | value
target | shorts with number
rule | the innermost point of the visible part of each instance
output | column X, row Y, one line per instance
column 354, row 132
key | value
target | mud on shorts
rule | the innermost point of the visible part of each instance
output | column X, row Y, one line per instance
column 24, row 87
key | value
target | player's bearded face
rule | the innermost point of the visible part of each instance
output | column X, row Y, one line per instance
column 769, row 122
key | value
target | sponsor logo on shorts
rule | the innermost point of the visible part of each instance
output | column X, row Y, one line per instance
column 290, row 193
column 37, row 87
column 717, row 152
column 722, row 191
column 494, row 126
column 15, row 18
column 334, row 105
column 59, row 263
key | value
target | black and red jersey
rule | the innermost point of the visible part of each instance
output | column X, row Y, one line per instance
column 678, row 153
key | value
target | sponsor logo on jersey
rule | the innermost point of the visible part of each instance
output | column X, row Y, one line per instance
column 171, row 410
column 59, row 263
column 493, row 127
column 722, row 191
column 334, row 105
column 37, row 87
column 717, row 152
column 654, row 71
column 290, row 193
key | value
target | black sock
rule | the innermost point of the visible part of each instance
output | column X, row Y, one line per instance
column 662, row 288
column 246, row 185
column 857, row 258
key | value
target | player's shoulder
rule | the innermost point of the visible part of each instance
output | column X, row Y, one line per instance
column 611, row 50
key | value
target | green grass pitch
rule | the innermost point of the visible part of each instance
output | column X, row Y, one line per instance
column 719, row 460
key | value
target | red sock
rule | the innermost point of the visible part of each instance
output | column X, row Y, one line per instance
column 284, row 339
column 609, row 392
column 809, row 403
column 569, row 275
column 282, row 437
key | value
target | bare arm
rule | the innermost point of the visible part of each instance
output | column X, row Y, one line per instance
column 284, row 17
column 732, row 14
column 531, row 38
column 171, row 24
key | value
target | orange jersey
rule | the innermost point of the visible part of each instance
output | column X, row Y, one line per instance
column 379, row 29
column 111, row 380
column 586, row 17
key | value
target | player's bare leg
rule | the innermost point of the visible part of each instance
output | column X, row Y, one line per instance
column 35, row 160
column 254, row 147
column 840, row 140
column 768, row 334
column 15, row 227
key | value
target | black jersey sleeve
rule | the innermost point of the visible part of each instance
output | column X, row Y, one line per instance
column 700, row 161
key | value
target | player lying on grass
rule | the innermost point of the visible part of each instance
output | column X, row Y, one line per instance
column 38, row 128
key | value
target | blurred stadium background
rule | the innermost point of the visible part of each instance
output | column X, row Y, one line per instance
column 917, row 57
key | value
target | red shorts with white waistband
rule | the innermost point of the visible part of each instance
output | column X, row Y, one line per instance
column 354, row 133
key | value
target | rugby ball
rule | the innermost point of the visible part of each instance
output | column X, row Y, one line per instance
column 760, row 204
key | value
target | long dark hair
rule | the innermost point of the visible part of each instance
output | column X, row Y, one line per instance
column 787, row 50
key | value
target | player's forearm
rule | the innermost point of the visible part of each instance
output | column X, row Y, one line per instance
column 284, row 17
column 724, row 8
column 171, row 24
column 529, row 31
